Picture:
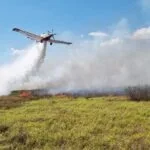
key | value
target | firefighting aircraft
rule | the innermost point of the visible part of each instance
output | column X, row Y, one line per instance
column 49, row 37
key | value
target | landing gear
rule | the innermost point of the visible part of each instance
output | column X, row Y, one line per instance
column 51, row 43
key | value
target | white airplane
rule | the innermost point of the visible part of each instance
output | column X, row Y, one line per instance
column 49, row 37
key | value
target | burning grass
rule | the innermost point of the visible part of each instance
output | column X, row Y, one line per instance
column 18, row 98
column 81, row 123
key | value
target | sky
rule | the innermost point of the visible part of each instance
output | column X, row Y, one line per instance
column 79, row 17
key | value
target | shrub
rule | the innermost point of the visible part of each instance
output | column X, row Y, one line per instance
column 138, row 93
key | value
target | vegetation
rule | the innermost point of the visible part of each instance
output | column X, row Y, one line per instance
column 73, row 124
column 138, row 93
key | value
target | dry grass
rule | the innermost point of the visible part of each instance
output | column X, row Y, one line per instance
column 7, row 102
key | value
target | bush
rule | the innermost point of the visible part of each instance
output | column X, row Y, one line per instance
column 138, row 93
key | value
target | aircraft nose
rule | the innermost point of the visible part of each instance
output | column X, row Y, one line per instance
column 15, row 29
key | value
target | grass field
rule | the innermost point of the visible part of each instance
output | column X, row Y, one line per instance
column 75, row 124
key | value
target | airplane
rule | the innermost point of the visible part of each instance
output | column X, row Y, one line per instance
column 49, row 37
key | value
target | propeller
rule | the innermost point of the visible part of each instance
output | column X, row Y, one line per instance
column 49, row 32
column 53, row 34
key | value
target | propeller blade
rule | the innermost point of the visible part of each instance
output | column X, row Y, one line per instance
column 53, row 37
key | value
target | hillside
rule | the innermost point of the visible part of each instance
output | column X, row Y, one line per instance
column 73, row 124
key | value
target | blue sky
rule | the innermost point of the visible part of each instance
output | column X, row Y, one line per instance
column 77, row 16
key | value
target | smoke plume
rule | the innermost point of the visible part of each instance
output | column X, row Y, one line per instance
column 27, row 63
column 96, row 62
column 101, row 62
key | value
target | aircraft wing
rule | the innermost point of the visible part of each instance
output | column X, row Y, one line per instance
column 28, row 34
column 59, row 42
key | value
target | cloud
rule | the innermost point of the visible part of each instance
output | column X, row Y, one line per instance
column 118, row 30
column 98, row 34
column 143, row 33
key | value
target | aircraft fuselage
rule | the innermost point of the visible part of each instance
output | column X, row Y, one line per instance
column 46, row 37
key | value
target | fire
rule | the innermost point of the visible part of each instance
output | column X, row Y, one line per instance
column 25, row 94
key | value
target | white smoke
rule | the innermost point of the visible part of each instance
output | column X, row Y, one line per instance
column 15, row 74
column 100, row 61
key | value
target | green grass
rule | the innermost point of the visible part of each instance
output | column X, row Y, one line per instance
column 74, row 124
